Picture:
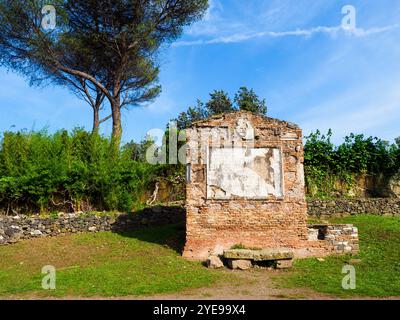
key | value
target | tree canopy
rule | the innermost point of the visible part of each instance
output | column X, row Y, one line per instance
column 220, row 103
column 107, row 47
column 247, row 100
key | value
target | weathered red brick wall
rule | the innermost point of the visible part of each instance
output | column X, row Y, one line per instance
column 215, row 225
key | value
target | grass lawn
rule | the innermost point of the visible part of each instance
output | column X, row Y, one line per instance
column 148, row 262
column 378, row 274
column 102, row 264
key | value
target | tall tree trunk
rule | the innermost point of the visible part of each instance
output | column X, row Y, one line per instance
column 117, row 126
column 96, row 105
column 96, row 120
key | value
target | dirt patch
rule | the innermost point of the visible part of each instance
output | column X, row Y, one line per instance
column 247, row 285
column 242, row 285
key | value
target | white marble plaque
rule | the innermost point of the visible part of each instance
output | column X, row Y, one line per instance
column 244, row 173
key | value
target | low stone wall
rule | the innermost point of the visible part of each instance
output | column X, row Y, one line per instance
column 336, row 238
column 340, row 207
column 342, row 238
column 16, row 228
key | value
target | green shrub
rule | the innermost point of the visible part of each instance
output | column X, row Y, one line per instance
column 326, row 163
column 42, row 172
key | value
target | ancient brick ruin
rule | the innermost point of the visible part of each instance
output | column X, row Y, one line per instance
column 245, row 186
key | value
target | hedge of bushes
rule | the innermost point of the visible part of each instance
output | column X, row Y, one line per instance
column 326, row 163
column 71, row 171
column 42, row 172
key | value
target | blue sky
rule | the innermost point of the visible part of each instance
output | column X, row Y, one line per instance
column 290, row 51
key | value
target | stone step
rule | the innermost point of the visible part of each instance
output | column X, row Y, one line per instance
column 260, row 255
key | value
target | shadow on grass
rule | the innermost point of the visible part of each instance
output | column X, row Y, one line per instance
column 162, row 225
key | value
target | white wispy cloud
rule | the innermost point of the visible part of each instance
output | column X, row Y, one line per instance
column 373, row 115
column 367, row 101
column 210, row 25
column 333, row 31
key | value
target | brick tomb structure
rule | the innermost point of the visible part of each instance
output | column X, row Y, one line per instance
column 245, row 186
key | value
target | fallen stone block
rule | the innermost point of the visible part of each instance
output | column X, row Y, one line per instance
column 240, row 264
column 259, row 255
column 274, row 254
column 214, row 262
column 284, row 264
column 240, row 254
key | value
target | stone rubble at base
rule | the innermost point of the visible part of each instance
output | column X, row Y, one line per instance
column 341, row 239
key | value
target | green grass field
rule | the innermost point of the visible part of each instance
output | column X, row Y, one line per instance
column 378, row 273
column 102, row 264
column 148, row 262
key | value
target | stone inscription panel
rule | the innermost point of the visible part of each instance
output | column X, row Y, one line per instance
column 248, row 173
